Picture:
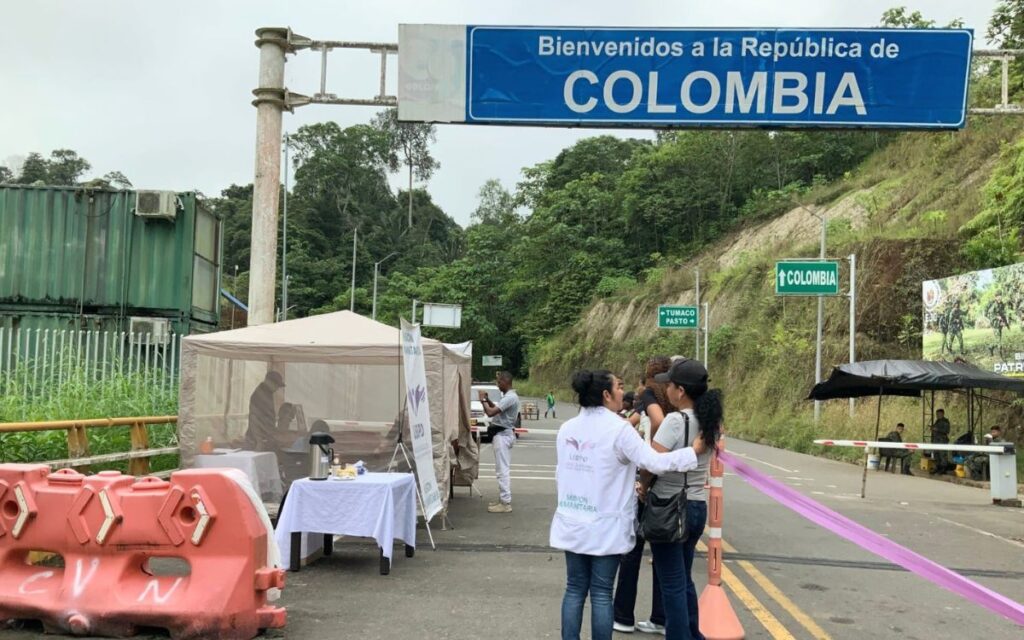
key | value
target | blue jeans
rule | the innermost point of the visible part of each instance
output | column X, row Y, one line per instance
column 594, row 575
column 674, row 562
column 626, row 586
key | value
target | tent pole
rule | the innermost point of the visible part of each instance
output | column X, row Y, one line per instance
column 878, row 422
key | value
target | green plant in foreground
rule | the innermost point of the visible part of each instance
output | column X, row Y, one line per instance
column 77, row 393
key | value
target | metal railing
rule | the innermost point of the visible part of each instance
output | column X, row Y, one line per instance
column 33, row 360
column 78, row 441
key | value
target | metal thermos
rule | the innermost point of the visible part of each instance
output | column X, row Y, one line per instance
column 320, row 455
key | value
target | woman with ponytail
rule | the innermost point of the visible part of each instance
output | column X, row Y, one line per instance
column 598, row 455
column 698, row 418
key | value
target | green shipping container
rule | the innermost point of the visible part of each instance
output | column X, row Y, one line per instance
column 83, row 252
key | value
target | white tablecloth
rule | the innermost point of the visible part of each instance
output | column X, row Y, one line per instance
column 381, row 506
column 260, row 466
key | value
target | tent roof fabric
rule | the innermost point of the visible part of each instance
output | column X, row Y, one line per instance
column 907, row 378
column 342, row 336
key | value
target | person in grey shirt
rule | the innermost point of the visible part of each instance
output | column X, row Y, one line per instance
column 503, row 414
column 699, row 414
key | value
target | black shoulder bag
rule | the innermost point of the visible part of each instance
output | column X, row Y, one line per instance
column 664, row 519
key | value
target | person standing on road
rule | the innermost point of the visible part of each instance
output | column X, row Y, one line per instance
column 598, row 454
column 551, row 405
column 503, row 414
column 940, row 435
column 699, row 417
column 654, row 405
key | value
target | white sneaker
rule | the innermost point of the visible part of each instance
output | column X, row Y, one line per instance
column 646, row 626
column 501, row 507
column 623, row 628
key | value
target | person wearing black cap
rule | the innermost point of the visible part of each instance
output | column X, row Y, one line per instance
column 598, row 454
column 699, row 415
column 263, row 414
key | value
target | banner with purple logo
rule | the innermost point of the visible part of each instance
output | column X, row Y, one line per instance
column 418, row 407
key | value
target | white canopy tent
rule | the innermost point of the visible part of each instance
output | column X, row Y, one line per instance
column 341, row 373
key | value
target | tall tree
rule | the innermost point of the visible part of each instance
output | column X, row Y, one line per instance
column 66, row 167
column 118, row 179
column 408, row 146
column 34, row 169
column 6, row 175
column 1006, row 28
column 496, row 204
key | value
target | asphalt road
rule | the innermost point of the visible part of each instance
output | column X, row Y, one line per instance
column 493, row 575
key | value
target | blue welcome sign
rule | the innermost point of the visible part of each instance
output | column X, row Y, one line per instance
column 573, row 76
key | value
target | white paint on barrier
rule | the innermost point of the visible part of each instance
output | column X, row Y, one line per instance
column 42, row 575
column 154, row 587
column 79, row 584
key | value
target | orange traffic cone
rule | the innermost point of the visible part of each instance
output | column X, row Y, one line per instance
column 717, row 619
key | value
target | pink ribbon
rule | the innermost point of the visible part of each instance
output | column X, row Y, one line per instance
column 875, row 543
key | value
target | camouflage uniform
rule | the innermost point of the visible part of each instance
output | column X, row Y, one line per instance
column 940, row 435
column 955, row 323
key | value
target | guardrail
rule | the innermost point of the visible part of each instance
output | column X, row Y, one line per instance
column 78, row 441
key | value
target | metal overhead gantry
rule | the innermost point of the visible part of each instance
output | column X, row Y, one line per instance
column 272, row 99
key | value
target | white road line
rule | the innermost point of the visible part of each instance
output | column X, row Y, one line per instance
column 982, row 532
column 767, row 464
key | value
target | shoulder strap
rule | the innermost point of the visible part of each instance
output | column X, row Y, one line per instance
column 686, row 442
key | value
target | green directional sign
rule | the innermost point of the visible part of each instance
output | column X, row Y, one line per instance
column 806, row 278
column 676, row 317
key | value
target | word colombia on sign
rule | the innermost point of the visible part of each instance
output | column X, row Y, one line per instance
column 902, row 78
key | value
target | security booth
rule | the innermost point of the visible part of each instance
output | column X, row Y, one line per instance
column 911, row 378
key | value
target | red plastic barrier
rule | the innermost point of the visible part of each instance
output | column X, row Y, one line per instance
column 107, row 526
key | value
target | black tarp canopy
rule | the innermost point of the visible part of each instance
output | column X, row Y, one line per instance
column 907, row 378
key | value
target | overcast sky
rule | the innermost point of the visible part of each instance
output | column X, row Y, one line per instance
column 161, row 90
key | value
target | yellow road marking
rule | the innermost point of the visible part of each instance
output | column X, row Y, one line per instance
column 759, row 611
column 776, row 594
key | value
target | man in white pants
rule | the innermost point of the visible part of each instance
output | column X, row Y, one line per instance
column 503, row 415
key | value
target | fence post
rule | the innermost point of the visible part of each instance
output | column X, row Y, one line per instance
column 78, row 445
column 140, row 440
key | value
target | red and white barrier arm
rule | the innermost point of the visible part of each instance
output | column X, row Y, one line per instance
column 1002, row 447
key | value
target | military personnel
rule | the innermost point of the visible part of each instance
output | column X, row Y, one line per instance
column 892, row 456
column 940, row 435
column 956, row 327
column 996, row 313
column 977, row 464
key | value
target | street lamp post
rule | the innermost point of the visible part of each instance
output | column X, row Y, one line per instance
column 352, row 296
column 376, row 270
column 284, row 238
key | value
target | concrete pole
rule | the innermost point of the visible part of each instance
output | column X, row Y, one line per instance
column 414, row 301
column 352, row 296
column 269, row 102
column 821, row 322
column 853, row 316
column 696, row 337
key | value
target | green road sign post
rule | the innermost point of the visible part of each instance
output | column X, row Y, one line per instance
column 677, row 317
column 807, row 278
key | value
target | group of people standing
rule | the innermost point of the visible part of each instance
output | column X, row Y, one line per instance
column 607, row 476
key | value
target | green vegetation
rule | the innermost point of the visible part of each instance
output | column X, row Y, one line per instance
column 30, row 397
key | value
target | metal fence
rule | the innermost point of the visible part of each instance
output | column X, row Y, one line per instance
column 32, row 361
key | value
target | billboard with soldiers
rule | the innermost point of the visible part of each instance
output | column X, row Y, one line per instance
column 977, row 317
